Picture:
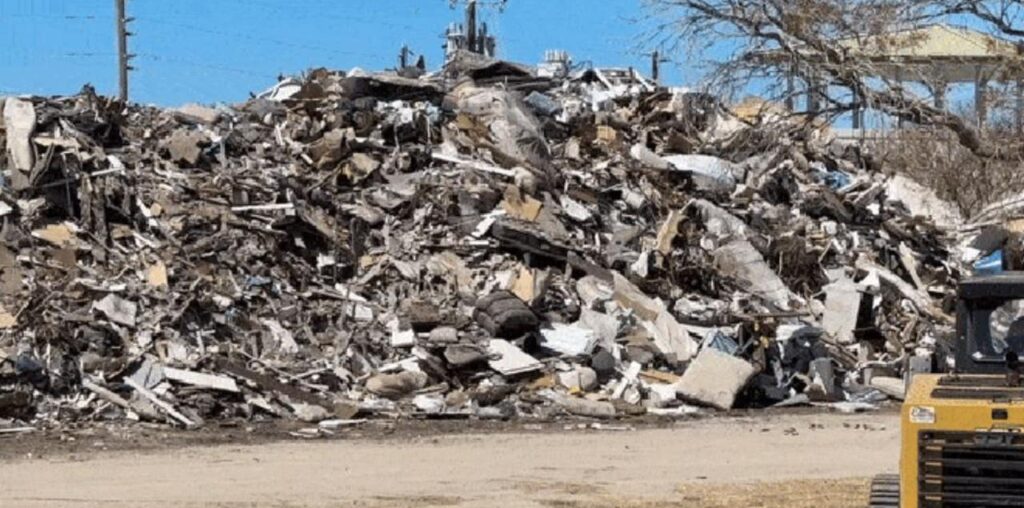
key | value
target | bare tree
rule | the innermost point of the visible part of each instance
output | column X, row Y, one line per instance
column 833, row 46
column 1004, row 16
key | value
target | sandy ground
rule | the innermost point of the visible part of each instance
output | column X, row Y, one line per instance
column 820, row 460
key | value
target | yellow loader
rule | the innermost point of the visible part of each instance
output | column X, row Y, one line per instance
column 963, row 433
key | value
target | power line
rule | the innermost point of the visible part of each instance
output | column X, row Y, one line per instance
column 357, row 19
column 35, row 59
column 43, row 16
column 201, row 65
column 261, row 39
column 318, row 13
column 190, row 91
column 321, row 9
column 87, row 54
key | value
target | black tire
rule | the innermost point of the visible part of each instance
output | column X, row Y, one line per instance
column 885, row 491
column 505, row 316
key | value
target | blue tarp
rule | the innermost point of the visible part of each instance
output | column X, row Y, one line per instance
column 836, row 179
column 991, row 264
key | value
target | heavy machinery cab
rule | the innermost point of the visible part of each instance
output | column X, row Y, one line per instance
column 990, row 323
column 963, row 433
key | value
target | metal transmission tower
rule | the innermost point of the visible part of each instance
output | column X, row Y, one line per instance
column 123, row 57
column 472, row 36
column 403, row 56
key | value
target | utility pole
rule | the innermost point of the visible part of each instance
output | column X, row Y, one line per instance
column 123, row 57
column 471, row 27
column 656, row 61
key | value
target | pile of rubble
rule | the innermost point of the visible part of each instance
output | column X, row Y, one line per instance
column 482, row 242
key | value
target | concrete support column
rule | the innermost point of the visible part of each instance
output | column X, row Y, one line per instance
column 981, row 96
column 814, row 94
column 939, row 95
column 1018, row 107
column 858, row 112
column 790, row 92
column 899, row 86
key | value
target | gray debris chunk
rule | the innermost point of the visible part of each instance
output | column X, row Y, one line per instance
column 920, row 299
column 571, row 340
column 184, row 146
column 603, row 363
column 852, row 407
column 199, row 113
column 842, row 304
column 741, row 261
column 718, row 221
column 19, row 122
column 892, row 386
column 714, row 379
column 309, row 413
column 514, row 130
column 460, row 355
column 631, row 297
column 282, row 339
column 645, row 156
column 823, row 378
column 580, row 378
column 429, row 403
column 708, row 173
column 509, row 360
column 575, row 209
column 117, row 309
column 149, row 374
column 396, row 386
column 542, row 103
column 671, row 338
column 922, row 201
column 579, row 406
column 604, row 326
column 592, row 290
column 201, row 380
column 443, row 335
column 363, row 165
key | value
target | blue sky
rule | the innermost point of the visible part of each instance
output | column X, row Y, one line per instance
column 220, row 50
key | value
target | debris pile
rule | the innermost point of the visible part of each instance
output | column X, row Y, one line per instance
column 480, row 243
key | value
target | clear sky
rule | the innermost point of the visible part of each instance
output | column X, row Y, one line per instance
column 220, row 50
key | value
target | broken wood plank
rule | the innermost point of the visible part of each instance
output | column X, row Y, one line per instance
column 660, row 377
column 477, row 165
column 106, row 394
column 142, row 411
column 17, row 430
column 263, row 208
column 271, row 384
column 158, row 402
column 339, row 423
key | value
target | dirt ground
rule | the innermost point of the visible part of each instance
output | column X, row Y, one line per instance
column 789, row 460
